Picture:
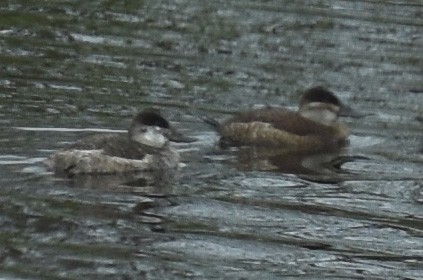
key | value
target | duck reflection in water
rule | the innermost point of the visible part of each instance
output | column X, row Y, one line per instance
column 316, row 166
column 301, row 142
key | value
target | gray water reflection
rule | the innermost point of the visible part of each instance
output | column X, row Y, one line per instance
column 71, row 66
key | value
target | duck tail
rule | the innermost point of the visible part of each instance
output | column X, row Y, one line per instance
column 212, row 122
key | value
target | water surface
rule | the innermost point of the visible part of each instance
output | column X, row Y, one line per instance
column 68, row 68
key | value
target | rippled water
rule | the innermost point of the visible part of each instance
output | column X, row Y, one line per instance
column 68, row 68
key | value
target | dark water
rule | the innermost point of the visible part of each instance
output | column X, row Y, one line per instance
column 66, row 66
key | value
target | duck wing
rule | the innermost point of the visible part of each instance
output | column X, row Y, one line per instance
column 281, row 119
column 112, row 144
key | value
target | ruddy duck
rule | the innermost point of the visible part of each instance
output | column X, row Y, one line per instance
column 145, row 147
column 312, row 128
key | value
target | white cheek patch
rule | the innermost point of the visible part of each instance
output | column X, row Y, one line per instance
column 152, row 137
column 320, row 112
column 328, row 116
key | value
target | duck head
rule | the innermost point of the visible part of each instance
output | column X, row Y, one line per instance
column 152, row 130
column 321, row 105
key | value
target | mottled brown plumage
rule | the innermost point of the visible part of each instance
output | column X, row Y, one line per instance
column 112, row 144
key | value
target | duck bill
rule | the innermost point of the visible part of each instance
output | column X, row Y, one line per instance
column 347, row 111
column 178, row 137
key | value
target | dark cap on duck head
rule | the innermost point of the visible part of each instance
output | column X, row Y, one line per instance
column 152, row 117
column 319, row 94
column 323, row 95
